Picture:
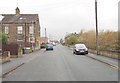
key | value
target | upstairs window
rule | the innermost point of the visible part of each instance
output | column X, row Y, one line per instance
column 19, row 30
column 6, row 30
column 31, row 30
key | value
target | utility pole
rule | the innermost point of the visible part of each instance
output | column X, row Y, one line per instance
column 96, row 26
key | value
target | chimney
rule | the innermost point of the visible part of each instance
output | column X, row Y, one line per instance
column 17, row 11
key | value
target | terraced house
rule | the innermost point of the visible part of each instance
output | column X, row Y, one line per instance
column 23, row 29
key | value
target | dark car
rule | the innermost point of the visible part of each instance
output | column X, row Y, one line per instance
column 80, row 49
column 49, row 47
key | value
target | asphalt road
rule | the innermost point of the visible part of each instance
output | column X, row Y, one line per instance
column 61, row 65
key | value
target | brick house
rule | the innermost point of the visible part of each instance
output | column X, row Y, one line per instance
column 23, row 29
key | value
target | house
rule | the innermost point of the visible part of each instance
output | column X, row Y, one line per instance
column 23, row 29
column 44, row 40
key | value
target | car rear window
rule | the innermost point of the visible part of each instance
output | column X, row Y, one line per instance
column 49, row 45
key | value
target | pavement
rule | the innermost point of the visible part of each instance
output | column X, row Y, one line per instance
column 17, row 62
column 106, row 60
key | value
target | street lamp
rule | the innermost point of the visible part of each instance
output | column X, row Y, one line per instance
column 96, row 26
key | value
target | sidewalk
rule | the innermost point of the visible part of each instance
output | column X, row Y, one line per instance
column 16, row 62
column 103, row 58
column 109, row 61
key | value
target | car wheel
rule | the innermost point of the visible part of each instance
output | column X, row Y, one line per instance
column 86, row 52
column 76, row 53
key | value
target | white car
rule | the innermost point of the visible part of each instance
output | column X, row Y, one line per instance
column 54, row 44
column 80, row 49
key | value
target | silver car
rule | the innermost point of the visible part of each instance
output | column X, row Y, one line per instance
column 80, row 49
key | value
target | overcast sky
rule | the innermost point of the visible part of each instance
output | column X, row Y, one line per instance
column 60, row 17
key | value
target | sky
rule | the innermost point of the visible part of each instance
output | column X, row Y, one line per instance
column 61, row 17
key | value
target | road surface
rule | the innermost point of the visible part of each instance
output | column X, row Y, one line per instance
column 61, row 65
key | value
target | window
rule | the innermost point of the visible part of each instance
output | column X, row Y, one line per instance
column 31, row 30
column 31, row 39
column 19, row 40
column 6, row 30
column 19, row 29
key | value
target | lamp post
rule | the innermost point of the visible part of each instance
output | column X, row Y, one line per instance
column 45, row 36
column 96, row 27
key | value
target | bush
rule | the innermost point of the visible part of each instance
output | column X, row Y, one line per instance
column 3, row 39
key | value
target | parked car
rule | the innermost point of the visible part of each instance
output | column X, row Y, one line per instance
column 43, row 46
column 80, row 49
column 49, row 47
column 54, row 44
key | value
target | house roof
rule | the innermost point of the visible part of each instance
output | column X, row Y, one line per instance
column 22, row 18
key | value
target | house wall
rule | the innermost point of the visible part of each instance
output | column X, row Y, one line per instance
column 13, row 36
column 37, row 34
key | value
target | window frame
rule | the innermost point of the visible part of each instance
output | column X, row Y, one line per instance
column 19, row 29
column 31, row 30
column 6, row 30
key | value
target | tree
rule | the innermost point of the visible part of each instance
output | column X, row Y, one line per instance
column 62, row 41
column 88, row 38
column 72, row 40
column 3, row 39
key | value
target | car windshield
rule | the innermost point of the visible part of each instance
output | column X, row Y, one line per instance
column 80, row 46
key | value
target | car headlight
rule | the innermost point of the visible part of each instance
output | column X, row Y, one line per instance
column 86, row 49
column 77, row 49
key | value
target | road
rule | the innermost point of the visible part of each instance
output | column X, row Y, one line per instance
column 62, row 65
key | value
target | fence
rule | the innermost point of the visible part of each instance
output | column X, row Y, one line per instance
column 15, row 49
